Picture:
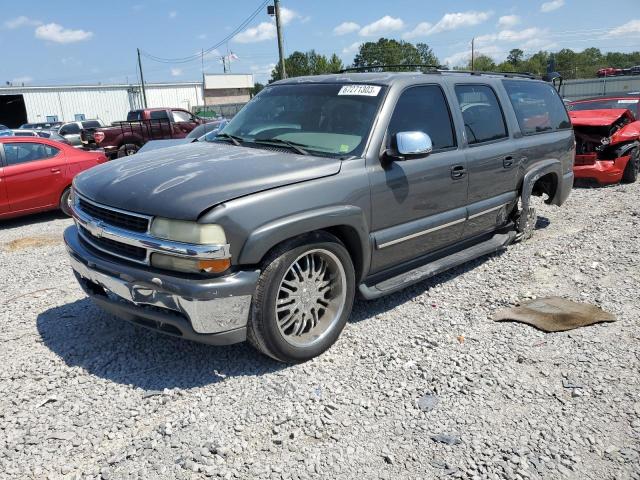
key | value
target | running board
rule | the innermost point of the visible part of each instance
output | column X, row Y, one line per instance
column 393, row 284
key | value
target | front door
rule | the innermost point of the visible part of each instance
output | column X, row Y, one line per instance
column 34, row 175
column 418, row 204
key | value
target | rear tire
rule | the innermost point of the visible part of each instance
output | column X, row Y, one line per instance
column 128, row 149
column 303, row 298
column 64, row 202
column 630, row 174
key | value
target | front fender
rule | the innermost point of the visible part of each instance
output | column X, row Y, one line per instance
column 267, row 236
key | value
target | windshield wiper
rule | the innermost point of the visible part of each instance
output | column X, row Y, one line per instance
column 293, row 145
column 233, row 138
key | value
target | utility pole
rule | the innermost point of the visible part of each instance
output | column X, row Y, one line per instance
column 473, row 53
column 144, row 92
column 283, row 70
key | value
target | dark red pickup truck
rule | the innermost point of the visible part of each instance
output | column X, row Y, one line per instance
column 126, row 138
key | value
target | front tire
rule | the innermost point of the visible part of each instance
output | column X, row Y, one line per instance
column 64, row 202
column 303, row 298
column 128, row 149
column 630, row 174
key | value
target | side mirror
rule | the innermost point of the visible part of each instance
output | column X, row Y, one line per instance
column 413, row 143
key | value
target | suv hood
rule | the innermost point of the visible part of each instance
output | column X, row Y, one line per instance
column 598, row 118
column 181, row 182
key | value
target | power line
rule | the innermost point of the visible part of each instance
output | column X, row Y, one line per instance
column 199, row 55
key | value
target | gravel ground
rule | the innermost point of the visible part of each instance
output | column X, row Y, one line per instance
column 421, row 384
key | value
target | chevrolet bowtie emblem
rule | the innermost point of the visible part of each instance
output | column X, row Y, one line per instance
column 95, row 228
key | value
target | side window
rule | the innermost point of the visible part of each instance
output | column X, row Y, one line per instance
column 481, row 112
column 424, row 109
column 159, row 115
column 17, row 153
column 91, row 124
column 70, row 129
column 179, row 116
column 537, row 105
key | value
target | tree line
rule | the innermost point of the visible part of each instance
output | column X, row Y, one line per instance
column 386, row 51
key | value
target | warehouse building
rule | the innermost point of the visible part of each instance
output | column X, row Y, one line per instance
column 110, row 103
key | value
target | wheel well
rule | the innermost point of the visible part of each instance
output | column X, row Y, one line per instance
column 547, row 184
column 346, row 234
column 349, row 236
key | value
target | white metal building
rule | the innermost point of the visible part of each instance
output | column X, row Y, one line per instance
column 109, row 103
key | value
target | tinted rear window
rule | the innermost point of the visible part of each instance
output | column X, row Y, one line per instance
column 159, row 115
column 91, row 124
column 538, row 106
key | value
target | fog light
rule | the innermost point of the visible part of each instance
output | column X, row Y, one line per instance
column 189, row 265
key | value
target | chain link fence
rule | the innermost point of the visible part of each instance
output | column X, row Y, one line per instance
column 227, row 110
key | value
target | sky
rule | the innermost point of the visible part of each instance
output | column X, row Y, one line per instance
column 75, row 42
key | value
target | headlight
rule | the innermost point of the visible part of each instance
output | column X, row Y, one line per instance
column 188, row 232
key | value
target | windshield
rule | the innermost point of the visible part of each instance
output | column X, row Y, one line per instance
column 329, row 119
column 608, row 104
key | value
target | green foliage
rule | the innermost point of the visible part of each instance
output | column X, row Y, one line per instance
column 483, row 63
column 393, row 52
column 572, row 64
column 299, row 64
column 257, row 87
column 515, row 57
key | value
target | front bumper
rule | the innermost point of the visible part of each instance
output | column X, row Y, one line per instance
column 212, row 310
column 602, row 171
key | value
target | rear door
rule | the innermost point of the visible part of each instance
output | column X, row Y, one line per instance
column 419, row 204
column 492, row 157
column 34, row 175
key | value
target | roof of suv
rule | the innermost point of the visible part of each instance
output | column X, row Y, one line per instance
column 388, row 78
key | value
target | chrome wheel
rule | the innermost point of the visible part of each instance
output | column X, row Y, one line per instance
column 311, row 297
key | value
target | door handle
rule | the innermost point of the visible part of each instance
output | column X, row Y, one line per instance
column 55, row 170
column 458, row 171
column 507, row 161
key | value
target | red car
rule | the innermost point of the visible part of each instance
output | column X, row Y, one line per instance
column 607, row 138
column 610, row 72
column 36, row 174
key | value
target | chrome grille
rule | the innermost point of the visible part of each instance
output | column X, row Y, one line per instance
column 112, row 247
column 114, row 217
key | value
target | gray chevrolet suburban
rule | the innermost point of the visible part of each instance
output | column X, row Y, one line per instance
column 319, row 188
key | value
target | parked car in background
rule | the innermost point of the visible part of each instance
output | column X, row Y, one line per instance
column 319, row 187
column 41, row 126
column 71, row 130
column 23, row 132
column 610, row 72
column 607, row 138
column 200, row 133
column 634, row 70
column 36, row 174
column 126, row 138
column 5, row 131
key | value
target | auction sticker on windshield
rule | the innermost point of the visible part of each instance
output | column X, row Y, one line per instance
column 366, row 90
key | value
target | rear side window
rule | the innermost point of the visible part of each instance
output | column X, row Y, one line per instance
column 424, row 109
column 159, row 115
column 538, row 106
column 481, row 112
column 134, row 116
column 70, row 129
column 17, row 152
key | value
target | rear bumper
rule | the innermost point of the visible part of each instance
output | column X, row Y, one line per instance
column 212, row 311
column 603, row 171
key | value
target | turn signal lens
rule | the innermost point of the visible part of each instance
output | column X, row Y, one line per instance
column 214, row 266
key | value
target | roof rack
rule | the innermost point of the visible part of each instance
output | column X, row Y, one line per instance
column 377, row 68
column 501, row 74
